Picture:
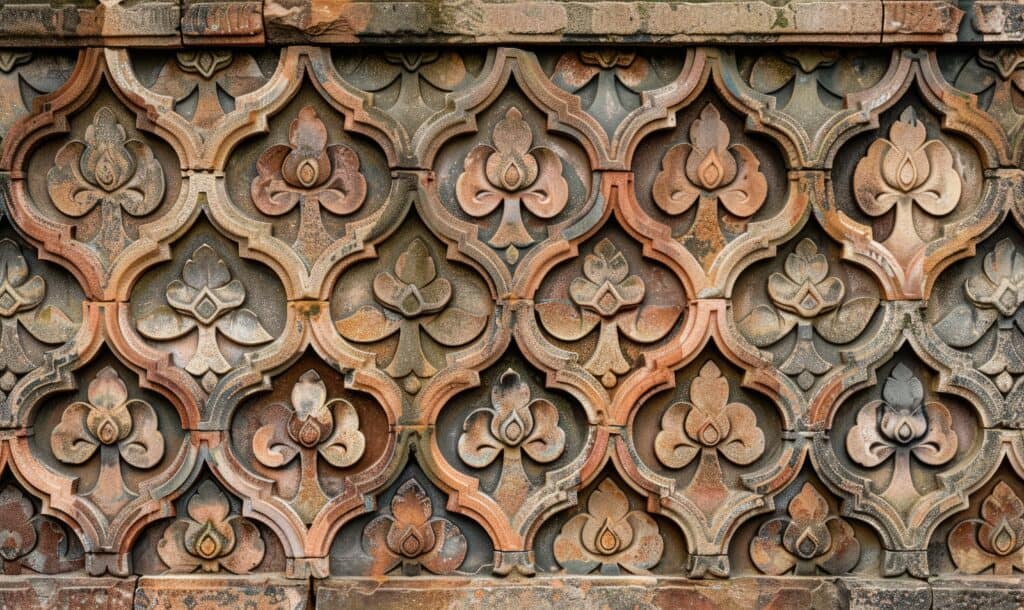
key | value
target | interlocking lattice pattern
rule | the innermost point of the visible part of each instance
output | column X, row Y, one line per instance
column 707, row 313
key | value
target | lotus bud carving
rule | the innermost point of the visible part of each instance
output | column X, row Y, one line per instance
column 609, row 535
column 902, row 424
column 22, row 309
column 811, row 539
column 211, row 539
column 109, row 170
column 903, row 171
column 309, row 173
column 514, row 175
column 204, row 62
column 806, row 297
column 610, row 297
column 996, row 541
column 995, row 296
column 413, row 537
column 316, row 427
column 513, row 424
column 708, row 171
column 208, row 301
column 30, row 542
column 119, row 427
column 412, row 299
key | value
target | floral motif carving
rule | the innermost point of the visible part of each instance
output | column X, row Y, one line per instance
column 708, row 171
column 32, row 543
column 119, row 428
column 22, row 307
column 211, row 539
column 511, row 426
column 904, row 171
column 995, row 294
column 213, row 77
column 317, row 427
column 313, row 175
column 206, row 300
column 621, row 77
column 412, row 300
column 995, row 75
column 996, row 541
column 109, row 170
column 413, row 537
column 23, row 77
column 609, row 535
column 709, row 425
column 610, row 297
column 806, row 297
column 512, row 174
column 902, row 425
column 811, row 539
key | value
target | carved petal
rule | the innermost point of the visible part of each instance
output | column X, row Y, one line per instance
column 243, row 327
column 547, row 441
column 872, row 192
column 144, row 447
column 19, row 534
column 449, row 549
column 648, row 324
column 769, row 74
column 270, row 193
column 568, row 547
column 171, row 549
column 454, row 326
column 672, row 190
column 547, row 196
column 1002, row 508
column 49, row 325
column 764, row 326
column 477, row 446
column 411, row 505
column 672, row 446
column 745, row 442
column 902, row 389
column 711, row 165
column 475, row 194
column 445, row 73
column 368, row 324
column 209, row 504
column 69, row 191
column 647, row 546
column 848, row 321
column 415, row 265
column 71, row 441
column 964, row 549
column 347, row 443
column 864, row 443
column 940, row 443
column 375, row 545
column 205, row 269
column 248, row 550
column 145, row 190
column 572, row 74
column 745, row 195
column 164, row 324
column 844, row 552
column 940, row 193
column 767, row 552
column 566, row 321
column 272, row 447
column 345, row 190
column 107, row 390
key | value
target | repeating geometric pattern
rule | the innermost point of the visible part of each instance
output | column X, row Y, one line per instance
column 486, row 312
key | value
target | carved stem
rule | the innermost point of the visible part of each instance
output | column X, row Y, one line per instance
column 109, row 493
column 207, row 356
column 705, row 236
column 312, row 239
column 901, row 491
column 111, row 239
column 513, row 486
column 511, row 231
column 607, row 360
column 904, row 241
column 310, row 497
column 409, row 356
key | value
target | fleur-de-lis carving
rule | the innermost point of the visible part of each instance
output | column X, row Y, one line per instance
column 21, row 307
column 902, row 424
column 412, row 299
column 213, row 78
column 806, row 297
column 709, row 170
column 206, row 300
column 512, row 425
column 996, row 541
column 995, row 294
column 513, row 175
column 211, row 538
column 311, row 174
column 30, row 542
column 621, row 76
column 317, row 426
column 995, row 74
column 811, row 539
column 906, row 170
column 413, row 537
column 109, row 170
column 607, row 295
column 609, row 536
column 119, row 428
column 11, row 59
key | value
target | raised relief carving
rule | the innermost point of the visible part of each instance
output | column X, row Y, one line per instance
column 31, row 543
column 317, row 428
column 205, row 82
column 903, row 172
column 806, row 297
column 709, row 425
column 994, row 74
column 411, row 300
column 117, row 427
column 809, row 540
column 901, row 426
column 211, row 539
column 514, row 175
column 24, row 308
column 309, row 173
column 608, row 296
column 209, row 301
column 994, row 295
column 708, row 171
column 109, row 170
column 513, row 425
column 994, row 542
column 26, row 75
column 412, row 537
column 609, row 535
